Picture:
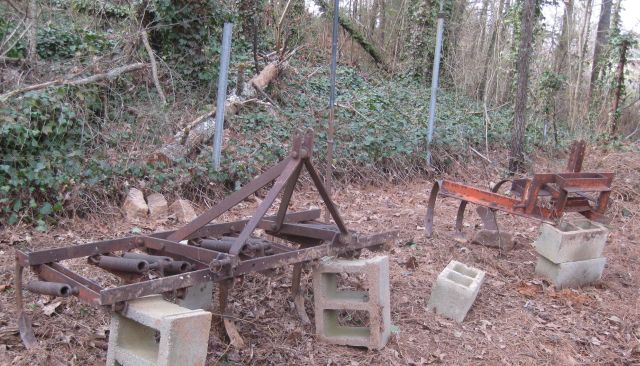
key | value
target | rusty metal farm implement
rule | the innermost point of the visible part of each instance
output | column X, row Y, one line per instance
column 545, row 197
column 202, row 251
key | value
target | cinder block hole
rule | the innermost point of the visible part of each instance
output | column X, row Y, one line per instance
column 585, row 225
column 138, row 339
column 465, row 270
column 351, row 282
column 566, row 227
column 351, row 286
column 459, row 279
column 346, row 323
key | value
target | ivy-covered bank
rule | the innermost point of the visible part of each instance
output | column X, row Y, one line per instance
column 58, row 155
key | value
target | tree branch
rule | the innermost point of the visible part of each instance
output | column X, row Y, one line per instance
column 110, row 75
column 154, row 67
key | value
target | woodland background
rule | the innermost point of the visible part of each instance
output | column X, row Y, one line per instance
column 97, row 96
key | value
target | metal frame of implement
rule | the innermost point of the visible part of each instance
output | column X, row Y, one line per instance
column 215, row 252
column 567, row 192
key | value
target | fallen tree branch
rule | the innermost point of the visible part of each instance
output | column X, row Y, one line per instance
column 201, row 130
column 265, row 95
column 110, row 75
column 154, row 67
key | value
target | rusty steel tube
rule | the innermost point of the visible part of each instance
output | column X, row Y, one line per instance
column 147, row 257
column 121, row 264
column 51, row 288
column 223, row 246
column 176, row 267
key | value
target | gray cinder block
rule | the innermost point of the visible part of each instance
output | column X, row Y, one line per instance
column 571, row 274
column 576, row 240
column 199, row 296
column 153, row 331
column 329, row 301
column 455, row 290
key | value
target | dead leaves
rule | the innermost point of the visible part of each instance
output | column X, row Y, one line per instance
column 50, row 309
column 569, row 297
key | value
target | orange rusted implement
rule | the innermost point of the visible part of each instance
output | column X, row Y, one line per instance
column 545, row 197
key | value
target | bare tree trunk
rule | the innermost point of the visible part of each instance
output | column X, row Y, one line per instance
column 602, row 36
column 383, row 20
column 565, row 36
column 480, row 39
column 32, row 34
column 482, row 92
column 483, row 20
column 516, row 155
column 373, row 18
column 615, row 115
column 582, row 50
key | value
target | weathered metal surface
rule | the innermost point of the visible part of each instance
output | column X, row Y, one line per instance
column 565, row 191
column 51, row 288
column 213, row 252
column 120, row 264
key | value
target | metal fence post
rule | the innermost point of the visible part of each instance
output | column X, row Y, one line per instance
column 222, row 93
column 332, row 100
column 434, row 81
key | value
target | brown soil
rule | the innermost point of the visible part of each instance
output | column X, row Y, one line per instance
column 518, row 318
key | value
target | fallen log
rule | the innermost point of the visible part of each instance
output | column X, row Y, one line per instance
column 200, row 131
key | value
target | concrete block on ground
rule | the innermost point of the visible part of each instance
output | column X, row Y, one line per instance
column 135, row 207
column 572, row 241
column 199, row 296
column 158, row 206
column 455, row 291
column 153, row 331
column 183, row 210
column 494, row 239
column 571, row 274
column 374, row 303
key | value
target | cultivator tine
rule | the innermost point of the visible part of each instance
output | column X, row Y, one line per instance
column 488, row 218
column 431, row 206
column 24, row 322
column 576, row 156
column 459, row 220
column 216, row 253
column 296, row 292
column 225, row 314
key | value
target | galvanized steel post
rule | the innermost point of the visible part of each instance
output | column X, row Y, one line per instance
column 434, row 81
column 332, row 99
column 222, row 93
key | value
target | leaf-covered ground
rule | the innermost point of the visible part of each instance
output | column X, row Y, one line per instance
column 518, row 318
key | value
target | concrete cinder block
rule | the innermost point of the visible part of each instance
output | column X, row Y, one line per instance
column 572, row 241
column 455, row 291
column 199, row 296
column 375, row 301
column 153, row 331
column 571, row 274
